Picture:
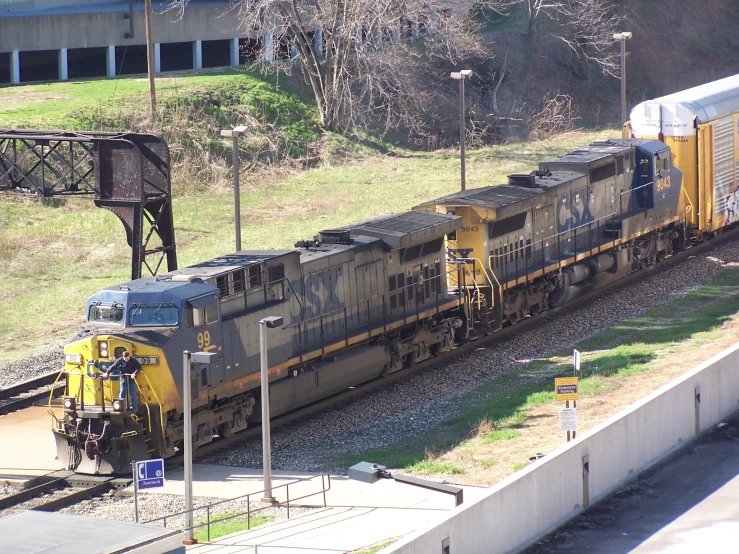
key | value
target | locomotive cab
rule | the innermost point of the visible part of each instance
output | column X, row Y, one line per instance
column 99, row 431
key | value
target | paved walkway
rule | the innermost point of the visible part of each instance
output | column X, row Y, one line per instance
column 357, row 515
column 28, row 448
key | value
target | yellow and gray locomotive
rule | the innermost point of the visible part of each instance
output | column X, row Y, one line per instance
column 356, row 302
column 367, row 300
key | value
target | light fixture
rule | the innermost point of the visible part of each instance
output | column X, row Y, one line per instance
column 70, row 404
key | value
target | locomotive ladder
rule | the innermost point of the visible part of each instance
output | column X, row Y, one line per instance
column 126, row 173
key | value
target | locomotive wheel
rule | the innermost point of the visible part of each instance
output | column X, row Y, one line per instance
column 513, row 319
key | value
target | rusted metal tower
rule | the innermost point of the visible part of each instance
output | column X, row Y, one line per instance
column 126, row 173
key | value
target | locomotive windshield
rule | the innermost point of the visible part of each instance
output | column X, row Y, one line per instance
column 145, row 315
column 102, row 313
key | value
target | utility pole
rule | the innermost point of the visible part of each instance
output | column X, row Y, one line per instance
column 622, row 38
column 150, row 59
column 461, row 76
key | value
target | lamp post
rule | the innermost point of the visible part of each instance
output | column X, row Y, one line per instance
column 367, row 472
column 622, row 38
column 271, row 322
column 187, row 359
column 461, row 76
column 235, row 133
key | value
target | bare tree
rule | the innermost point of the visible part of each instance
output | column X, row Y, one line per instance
column 366, row 64
column 585, row 26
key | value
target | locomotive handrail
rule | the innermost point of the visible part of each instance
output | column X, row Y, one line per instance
column 156, row 397
column 51, row 393
column 538, row 245
column 463, row 262
column 357, row 305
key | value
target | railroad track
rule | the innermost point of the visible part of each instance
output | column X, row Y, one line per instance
column 223, row 444
column 60, row 489
column 29, row 392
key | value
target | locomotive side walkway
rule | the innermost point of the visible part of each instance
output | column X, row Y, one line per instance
column 357, row 514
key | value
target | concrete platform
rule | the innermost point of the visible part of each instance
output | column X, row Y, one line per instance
column 32, row 532
column 357, row 514
column 28, row 448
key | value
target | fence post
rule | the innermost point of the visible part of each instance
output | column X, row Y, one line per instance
column 208, row 520
column 287, row 492
column 248, row 512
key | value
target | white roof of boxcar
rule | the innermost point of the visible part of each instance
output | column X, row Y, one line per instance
column 674, row 114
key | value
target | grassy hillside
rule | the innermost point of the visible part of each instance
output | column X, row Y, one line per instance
column 53, row 258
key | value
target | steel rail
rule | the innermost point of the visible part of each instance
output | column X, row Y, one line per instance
column 17, row 397
column 81, row 487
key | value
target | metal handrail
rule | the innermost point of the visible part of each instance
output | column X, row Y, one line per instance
column 357, row 305
column 159, row 403
column 574, row 230
column 325, row 477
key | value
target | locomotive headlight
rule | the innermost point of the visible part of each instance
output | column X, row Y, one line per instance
column 118, row 405
column 69, row 403
column 73, row 358
column 103, row 347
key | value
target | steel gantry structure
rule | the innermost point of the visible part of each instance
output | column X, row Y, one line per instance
column 126, row 173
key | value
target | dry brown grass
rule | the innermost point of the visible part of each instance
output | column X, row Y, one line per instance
column 487, row 464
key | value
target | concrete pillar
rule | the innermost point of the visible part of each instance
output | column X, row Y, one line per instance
column 157, row 58
column 63, row 67
column 15, row 67
column 235, row 51
column 318, row 42
column 110, row 62
column 197, row 54
column 268, row 49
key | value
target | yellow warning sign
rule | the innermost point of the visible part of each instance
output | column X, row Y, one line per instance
column 565, row 388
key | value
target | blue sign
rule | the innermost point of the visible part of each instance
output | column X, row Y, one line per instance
column 150, row 474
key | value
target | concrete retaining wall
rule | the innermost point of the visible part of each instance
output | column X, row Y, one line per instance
column 537, row 499
column 107, row 28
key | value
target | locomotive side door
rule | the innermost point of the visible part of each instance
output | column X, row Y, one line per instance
column 542, row 232
column 417, row 284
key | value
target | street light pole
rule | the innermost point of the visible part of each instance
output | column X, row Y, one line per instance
column 622, row 38
column 235, row 133
column 187, row 359
column 187, row 414
column 461, row 76
column 264, row 324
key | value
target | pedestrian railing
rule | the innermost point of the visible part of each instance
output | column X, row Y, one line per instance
column 215, row 511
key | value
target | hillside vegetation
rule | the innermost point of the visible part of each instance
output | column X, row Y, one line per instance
column 54, row 258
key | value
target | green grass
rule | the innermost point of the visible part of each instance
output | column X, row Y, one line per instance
column 428, row 467
column 237, row 521
column 520, row 465
column 624, row 350
column 54, row 258
column 499, row 435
